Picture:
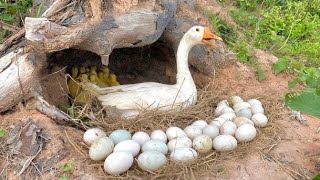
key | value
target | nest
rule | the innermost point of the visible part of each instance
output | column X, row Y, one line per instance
column 205, row 164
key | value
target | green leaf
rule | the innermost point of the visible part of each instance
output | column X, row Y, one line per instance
column 68, row 167
column 317, row 177
column 293, row 82
column 2, row 132
column 307, row 102
column 64, row 177
column 7, row 17
column 281, row 65
column 318, row 91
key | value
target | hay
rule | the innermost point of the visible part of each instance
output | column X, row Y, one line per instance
column 206, row 164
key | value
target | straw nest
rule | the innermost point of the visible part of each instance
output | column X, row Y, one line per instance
column 206, row 164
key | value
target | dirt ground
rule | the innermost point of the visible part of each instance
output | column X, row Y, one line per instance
column 290, row 150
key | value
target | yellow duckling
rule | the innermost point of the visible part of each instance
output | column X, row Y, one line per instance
column 82, row 70
column 73, row 86
column 113, row 80
column 83, row 96
column 106, row 72
column 96, row 80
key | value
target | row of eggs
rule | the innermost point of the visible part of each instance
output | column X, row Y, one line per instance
column 222, row 134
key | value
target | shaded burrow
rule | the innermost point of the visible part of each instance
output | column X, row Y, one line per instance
column 152, row 63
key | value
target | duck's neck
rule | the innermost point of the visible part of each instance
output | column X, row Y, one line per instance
column 183, row 73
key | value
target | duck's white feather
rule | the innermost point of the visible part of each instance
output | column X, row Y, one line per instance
column 130, row 99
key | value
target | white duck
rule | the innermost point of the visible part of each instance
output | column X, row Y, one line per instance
column 130, row 99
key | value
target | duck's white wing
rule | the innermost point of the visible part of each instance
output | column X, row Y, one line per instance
column 120, row 88
column 144, row 97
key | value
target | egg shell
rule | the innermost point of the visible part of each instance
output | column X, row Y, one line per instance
column 254, row 102
column 228, row 128
column 128, row 146
column 155, row 145
column 240, row 106
column 174, row 132
column 256, row 109
column 141, row 137
column 228, row 116
column 245, row 133
column 200, row 124
column 227, row 110
column 101, row 148
column 93, row 134
column 183, row 155
column 246, row 112
column 179, row 142
column 120, row 135
column 242, row 120
column 217, row 111
column 259, row 120
column 151, row 160
column 211, row 130
column 223, row 103
column 159, row 135
column 235, row 99
column 218, row 121
column 192, row 131
column 118, row 163
column 224, row 143
column 202, row 143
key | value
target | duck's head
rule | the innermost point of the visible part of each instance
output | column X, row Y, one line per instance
column 201, row 35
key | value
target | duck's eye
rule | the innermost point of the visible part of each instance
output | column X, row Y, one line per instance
column 197, row 29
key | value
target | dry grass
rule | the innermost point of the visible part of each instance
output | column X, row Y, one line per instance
column 206, row 164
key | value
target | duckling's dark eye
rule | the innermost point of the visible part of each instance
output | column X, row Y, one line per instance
column 197, row 29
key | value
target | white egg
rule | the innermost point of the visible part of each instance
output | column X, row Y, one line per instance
column 200, row 124
column 227, row 110
column 101, row 148
column 120, row 135
column 179, row 142
column 223, row 103
column 260, row 120
column 228, row 128
column 140, row 137
column 224, row 143
column 242, row 105
column 159, row 135
column 218, row 121
column 254, row 102
column 128, row 146
column 151, row 160
column 235, row 99
column 174, row 132
column 255, row 109
column 202, row 143
column 228, row 116
column 118, row 163
column 246, row 112
column 93, row 134
column 183, row 155
column 217, row 111
column 192, row 131
column 211, row 130
column 242, row 120
column 245, row 133
column 155, row 145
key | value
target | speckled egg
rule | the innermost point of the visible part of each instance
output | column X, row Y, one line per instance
column 155, row 145
column 120, row 135
column 101, row 148
column 151, row 160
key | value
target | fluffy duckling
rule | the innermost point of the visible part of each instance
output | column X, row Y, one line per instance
column 82, row 70
column 83, row 96
column 96, row 80
column 73, row 86
column 106, row 72
column 113, row 80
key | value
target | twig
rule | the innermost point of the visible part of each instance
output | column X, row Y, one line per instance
column 9, row 27
column 29, row 160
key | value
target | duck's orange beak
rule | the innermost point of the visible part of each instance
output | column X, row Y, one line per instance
column 207, row 36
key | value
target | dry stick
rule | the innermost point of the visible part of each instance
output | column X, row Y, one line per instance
column 9, row 27
column 74, row 146
column 29, row 160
